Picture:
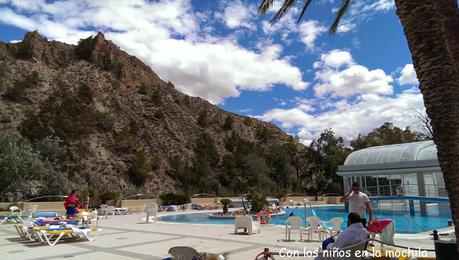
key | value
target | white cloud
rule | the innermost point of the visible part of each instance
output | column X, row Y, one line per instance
column 380, row 5
column 345, row 26
column 216, row 71
column 408, row 76
column 309, row 31
column 236, row 14
column 166, row 35
column 334, row 59
column 287, row 117
column 350, row 119
column 351, row 79
column 361, row 11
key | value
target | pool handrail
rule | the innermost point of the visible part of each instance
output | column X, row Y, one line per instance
column 418, row 198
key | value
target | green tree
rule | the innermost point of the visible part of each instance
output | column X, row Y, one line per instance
column 174, row 199
column 139, row 171
column 231, row 142
column 155, row 97
column 31, row 171
column 325, row 154
column 206, row 149
column 385, row 135
column 262, row 134
column 228, row 124
column 202, row 119
column 85, row 93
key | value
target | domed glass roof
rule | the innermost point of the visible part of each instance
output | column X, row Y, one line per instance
column 416, row 151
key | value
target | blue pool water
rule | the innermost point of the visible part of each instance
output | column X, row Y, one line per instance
column 404, row 223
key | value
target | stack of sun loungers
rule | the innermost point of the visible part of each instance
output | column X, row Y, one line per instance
column 52, row 230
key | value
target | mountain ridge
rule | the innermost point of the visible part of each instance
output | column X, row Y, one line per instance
column 121, row 107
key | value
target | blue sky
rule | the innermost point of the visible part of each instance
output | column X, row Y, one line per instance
column 294, row 75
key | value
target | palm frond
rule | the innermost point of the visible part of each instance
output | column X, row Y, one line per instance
column 306, row 4
column 286, row 5
column 264, row 6
column 342, row 10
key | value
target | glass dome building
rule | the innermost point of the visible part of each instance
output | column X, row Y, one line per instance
column 410, row 169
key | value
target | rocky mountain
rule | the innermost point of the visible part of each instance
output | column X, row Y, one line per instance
column 112, row 111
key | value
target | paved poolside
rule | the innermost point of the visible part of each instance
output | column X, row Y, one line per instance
column 125, row 237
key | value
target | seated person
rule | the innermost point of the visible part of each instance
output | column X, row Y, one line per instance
column 354, row 234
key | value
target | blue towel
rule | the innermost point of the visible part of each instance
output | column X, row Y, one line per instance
column 46, row 214
column 57, row 222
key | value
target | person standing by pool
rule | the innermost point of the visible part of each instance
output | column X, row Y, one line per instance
column 71, row 204
column 358, row 203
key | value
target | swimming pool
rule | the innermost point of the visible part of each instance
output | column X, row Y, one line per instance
column 404, row 223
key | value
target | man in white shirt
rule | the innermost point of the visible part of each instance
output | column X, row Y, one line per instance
column 354, row 234
column 358, row 203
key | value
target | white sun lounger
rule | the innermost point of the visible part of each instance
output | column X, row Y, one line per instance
column 53, row 236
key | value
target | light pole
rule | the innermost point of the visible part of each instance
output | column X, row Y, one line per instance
column 305, row 213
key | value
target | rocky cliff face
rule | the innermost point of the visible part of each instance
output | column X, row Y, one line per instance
column 106, row 105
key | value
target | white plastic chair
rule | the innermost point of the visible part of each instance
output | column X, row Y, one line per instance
column 336, row 226
column 246, row 222
column 141, row 208
column 152, row 212
column 110, row 210
column 183, row 253
column 103, row 208
column 32, row 210
column 314, row 227
column 293, row 223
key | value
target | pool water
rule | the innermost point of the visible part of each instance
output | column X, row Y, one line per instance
column 404, row 223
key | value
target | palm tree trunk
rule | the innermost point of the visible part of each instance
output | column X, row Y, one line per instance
column 434, row 46
column 449, row 18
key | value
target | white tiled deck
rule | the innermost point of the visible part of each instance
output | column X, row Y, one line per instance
column 124, row 237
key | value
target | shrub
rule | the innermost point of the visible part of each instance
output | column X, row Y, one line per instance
column 63, row 114
column 17, row 90
column 228, row 124
column 142, row 90
column 84, row 48
column 202, row 119
column 3, row 70
column 159, row 115
column 5, row 119
column 155, row 97
column 106, row 194
column 104, row 121
column 32, row 79
column 140, row 169
column 85, row 93
column 174, row 199
column 257, row 201
column 24, row 50
column 126, row 140
column 262, row 133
